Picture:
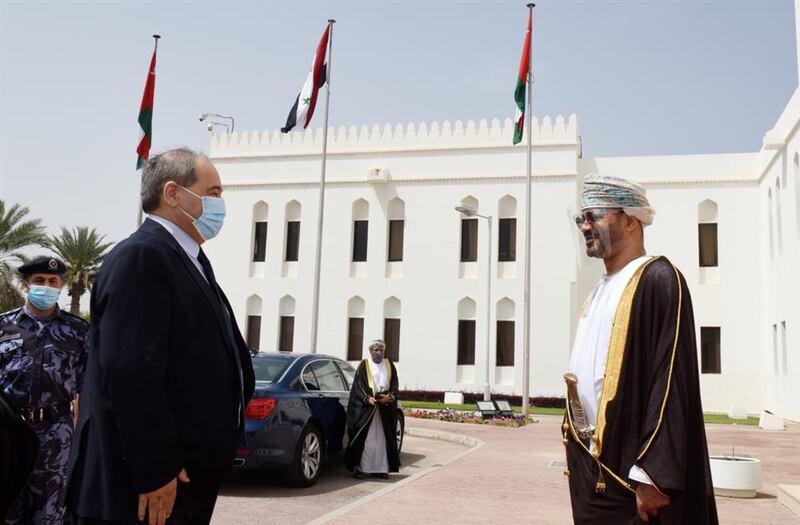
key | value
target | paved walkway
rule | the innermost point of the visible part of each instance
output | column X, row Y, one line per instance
column 516, row 475
column 259, row 498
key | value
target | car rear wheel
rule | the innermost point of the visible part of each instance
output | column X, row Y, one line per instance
column 307, row 461
column 400, row 430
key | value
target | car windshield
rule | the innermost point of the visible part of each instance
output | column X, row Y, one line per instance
column 269, row 369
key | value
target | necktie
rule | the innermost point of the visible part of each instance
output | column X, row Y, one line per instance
column 206, row 264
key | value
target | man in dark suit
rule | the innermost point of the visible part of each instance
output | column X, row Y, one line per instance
column 168, row 374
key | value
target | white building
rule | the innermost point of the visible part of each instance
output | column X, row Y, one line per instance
column 421, row 282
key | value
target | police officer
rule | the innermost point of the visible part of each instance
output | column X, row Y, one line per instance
column 42, row 360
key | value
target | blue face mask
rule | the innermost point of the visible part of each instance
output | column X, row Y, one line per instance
column 43, row 297
column 211, row 219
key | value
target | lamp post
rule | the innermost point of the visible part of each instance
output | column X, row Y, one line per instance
column 469, row 211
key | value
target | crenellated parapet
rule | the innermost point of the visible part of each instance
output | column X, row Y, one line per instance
column 434, row 135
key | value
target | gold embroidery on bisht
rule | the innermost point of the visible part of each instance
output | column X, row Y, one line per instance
column 616, row 354
column 601, row 486
column 653, row 483
column 671, row 365
column 369, row 377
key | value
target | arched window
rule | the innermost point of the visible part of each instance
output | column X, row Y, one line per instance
column 469, row 232
column 466, row 331
column 286, row 329
column 260, row 214
column 293, row 210
column 355, row 328
column 707, row 234
column 507, row 224
column 391, row 327
column 253, row 329
column 397, row 215
column 360, row 230
column 505, row 332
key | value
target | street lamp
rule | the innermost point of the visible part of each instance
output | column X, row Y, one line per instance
column 469, row 211
column 211, row 123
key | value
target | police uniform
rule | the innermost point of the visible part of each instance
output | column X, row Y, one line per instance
column 41, row 372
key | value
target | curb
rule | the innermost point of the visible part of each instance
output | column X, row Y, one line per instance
column 438, row 435
column 789, row 495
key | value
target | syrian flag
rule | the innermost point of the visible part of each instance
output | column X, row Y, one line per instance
column 306, row 101
column 146, row 114
column 522, row 84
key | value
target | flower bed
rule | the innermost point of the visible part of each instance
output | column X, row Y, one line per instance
column 437, row 396
column 457, row 416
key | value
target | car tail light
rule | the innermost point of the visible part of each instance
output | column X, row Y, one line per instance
column 244, row 451
column 260, row 408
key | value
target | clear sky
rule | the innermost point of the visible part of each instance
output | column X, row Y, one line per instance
column 644, row 77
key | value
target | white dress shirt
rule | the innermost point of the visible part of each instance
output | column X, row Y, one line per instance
column 188, row 244
column 380, row 374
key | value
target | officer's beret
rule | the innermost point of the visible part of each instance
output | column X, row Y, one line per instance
column 43, row 264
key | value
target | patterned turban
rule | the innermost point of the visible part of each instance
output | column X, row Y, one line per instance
column 604, row 191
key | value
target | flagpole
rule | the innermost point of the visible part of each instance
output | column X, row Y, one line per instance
column 318, row 262
column 140, row 213
column 526, row 353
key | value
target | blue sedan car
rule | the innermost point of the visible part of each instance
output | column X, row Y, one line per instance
column 296, row 419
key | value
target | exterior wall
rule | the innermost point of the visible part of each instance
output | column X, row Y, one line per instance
column 432, row 168
column 780, row 281
column 431, row 177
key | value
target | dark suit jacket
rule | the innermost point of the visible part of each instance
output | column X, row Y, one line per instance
column 162, row 388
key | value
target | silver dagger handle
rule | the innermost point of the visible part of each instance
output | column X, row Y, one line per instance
column 582, row 426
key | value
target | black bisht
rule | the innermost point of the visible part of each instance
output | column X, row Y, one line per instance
column 360, row 414
column 650, row 414
column 19, row 449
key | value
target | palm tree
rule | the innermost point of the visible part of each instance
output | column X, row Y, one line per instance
column 82, row 250
column 16, row 234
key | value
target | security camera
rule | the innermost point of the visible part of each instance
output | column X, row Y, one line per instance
column 210, row 126
column 202, row 117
